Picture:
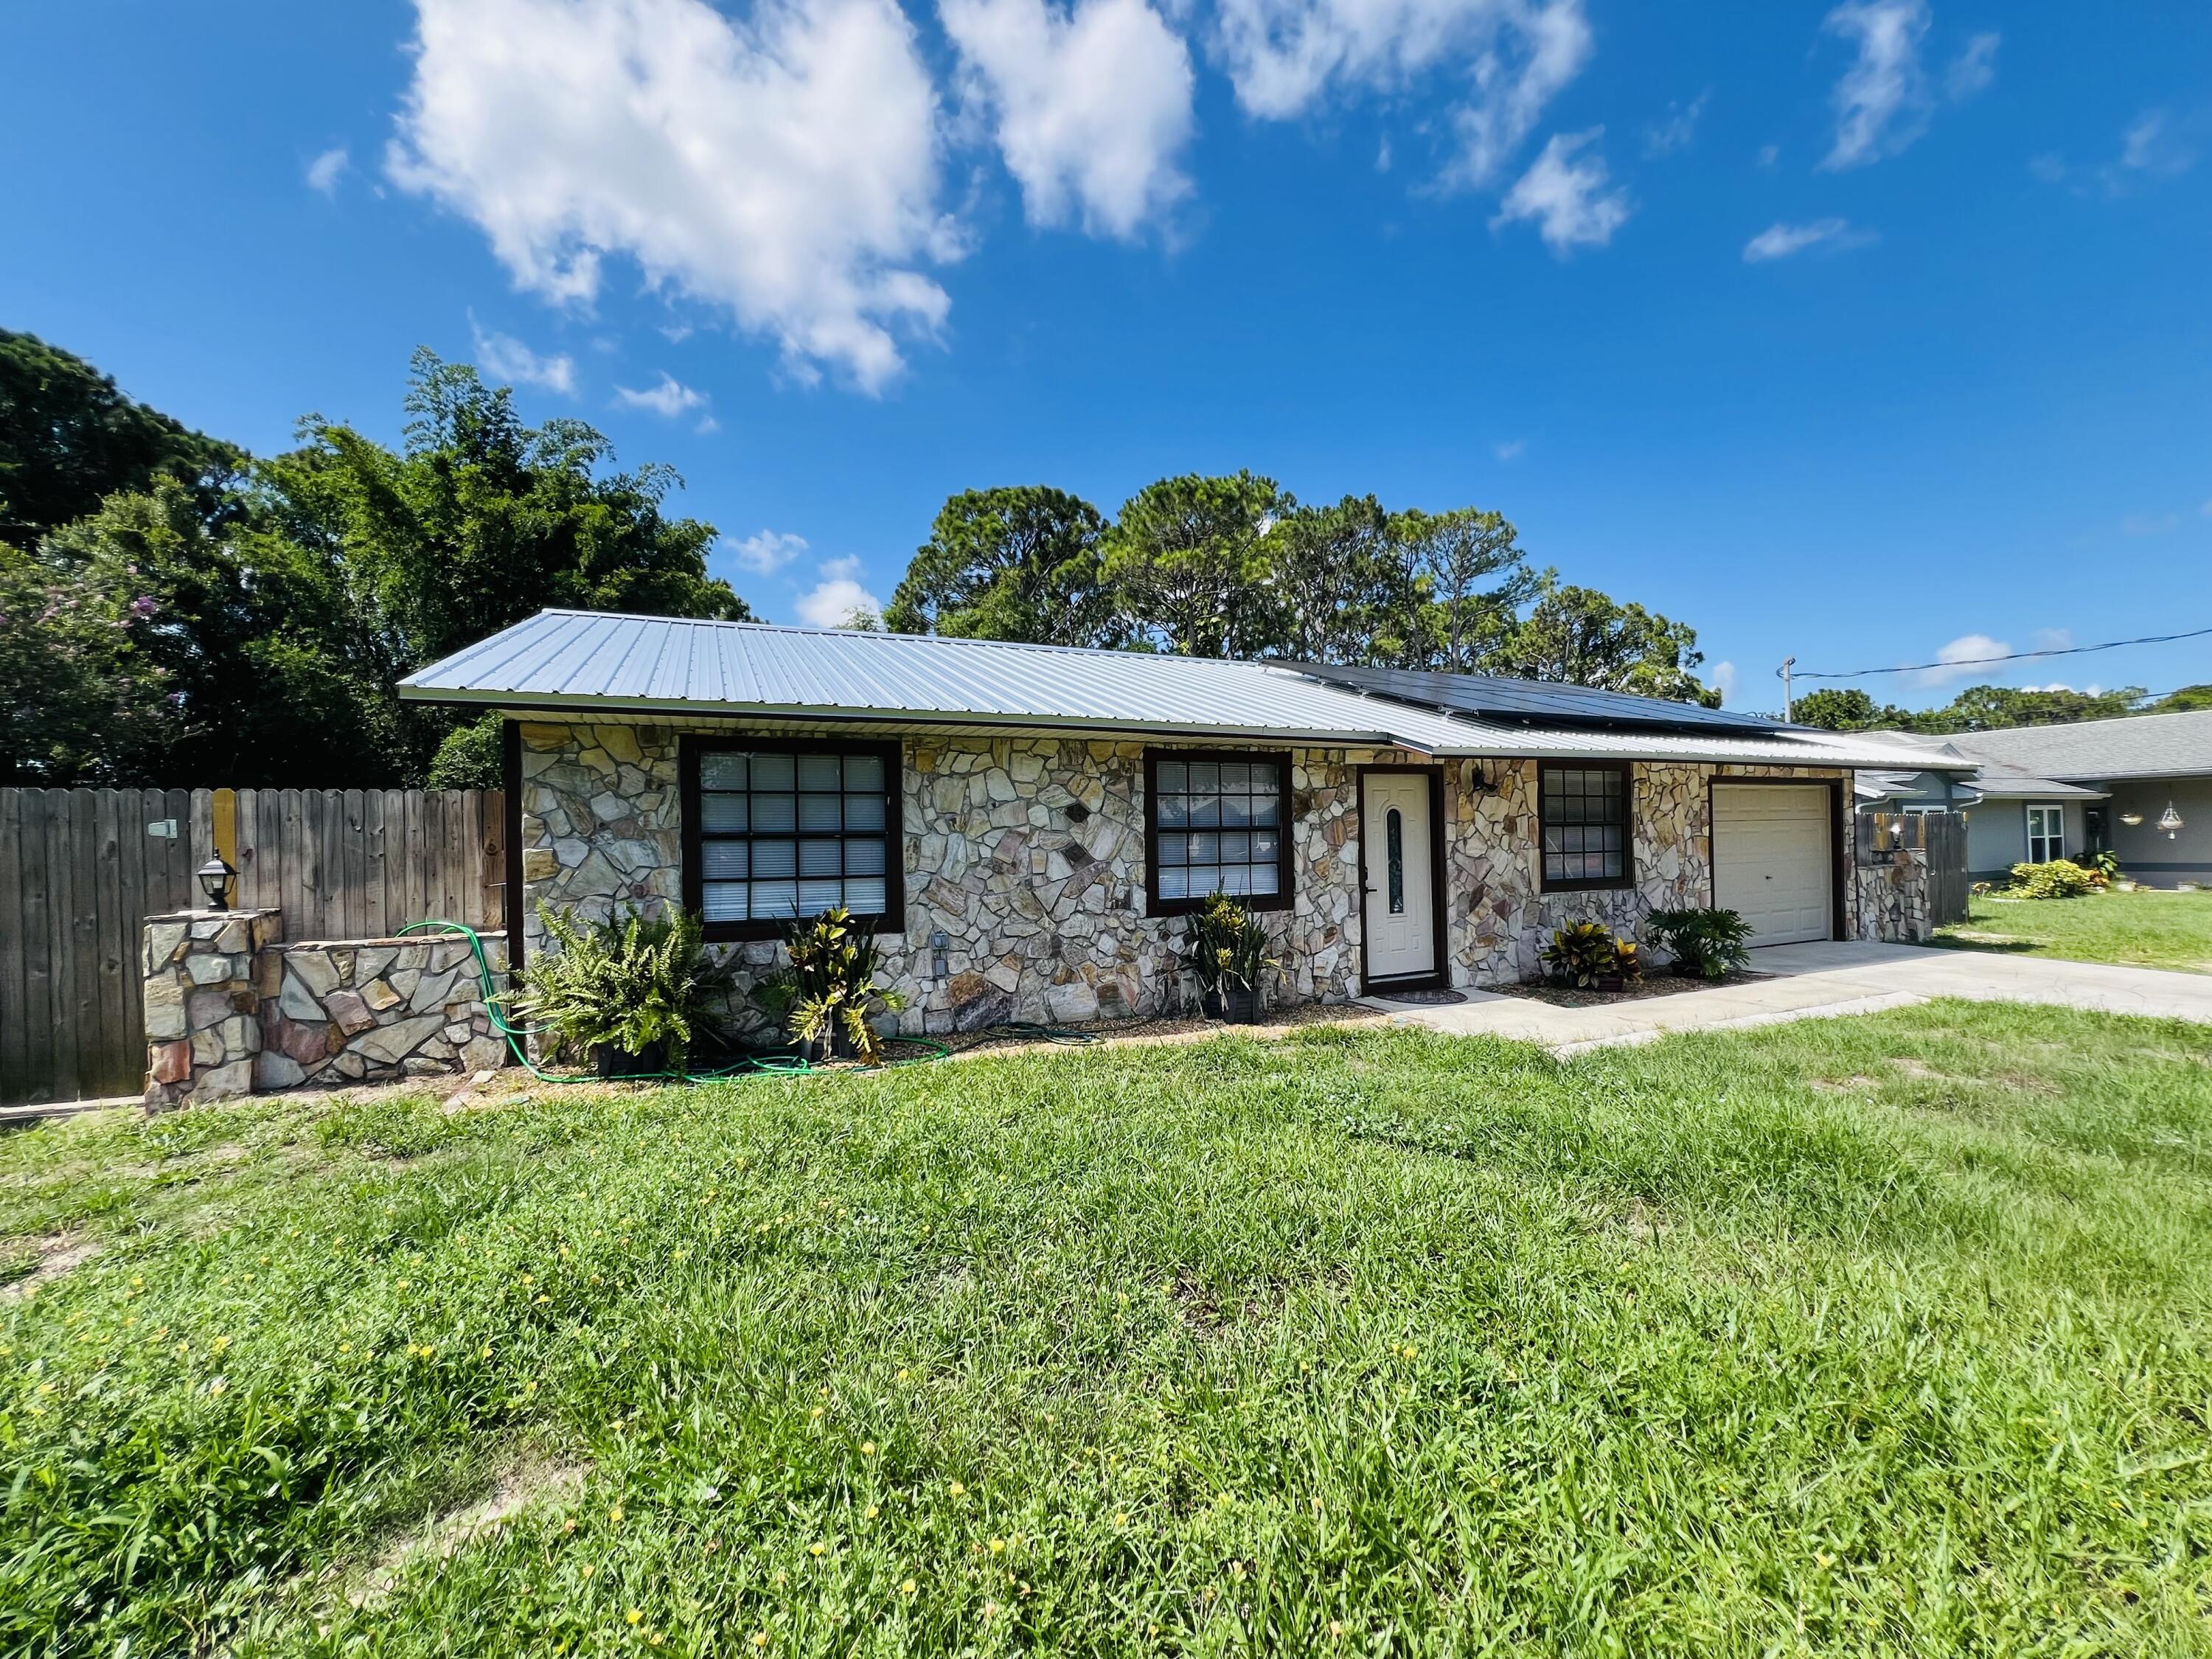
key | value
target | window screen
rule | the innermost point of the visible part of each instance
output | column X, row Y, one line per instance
column 1585, row 826
column 1218, row 824
column 783, row 835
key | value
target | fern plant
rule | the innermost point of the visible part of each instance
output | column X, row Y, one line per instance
column 634, row 985
column 1704, row 943
column 828, row 989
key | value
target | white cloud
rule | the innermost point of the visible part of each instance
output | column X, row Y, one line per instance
column 2054, row 639
column 1511, row 449
column 784, row 168
column 1881, row 100
column 1768, row 157
column 1090, row 106
column 326, row 169
column 2206, row 509
column 1973, row 69
column 1723, row 678
column 505, row 358
column 1567, row 197
column 832, row 602
column 1679, row 130
column 671, row 397
column 766, row 551
column 2149, row 524
column 2152, row 148
column 1960, row 659
column 1779, row 241
column 1284, row 56
column 840, row 570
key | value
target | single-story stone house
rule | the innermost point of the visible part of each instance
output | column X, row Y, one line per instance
column 1028, row 824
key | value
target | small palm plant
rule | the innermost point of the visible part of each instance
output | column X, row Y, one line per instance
column 829, row 994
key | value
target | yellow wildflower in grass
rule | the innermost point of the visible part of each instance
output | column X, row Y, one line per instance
column 589, row 1569
column 957, row 1489
column 1120, row 1517
column 634, row 1616
column 873, row 1510
column 218, row 1386
column 867, row 1449
column 998, row 1547
column 221, row 1343
column 907, row 1588
column 816, row 1414
column 760, row 1638
column 615, row 1515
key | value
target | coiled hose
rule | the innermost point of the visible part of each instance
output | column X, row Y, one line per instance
column 751, row 1066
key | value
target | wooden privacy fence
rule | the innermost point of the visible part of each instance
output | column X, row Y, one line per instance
column 81, row 869
column 1941, row 837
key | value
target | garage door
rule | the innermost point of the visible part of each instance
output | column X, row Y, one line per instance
column 1771, row 860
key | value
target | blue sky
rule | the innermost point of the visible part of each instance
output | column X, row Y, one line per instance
column 1851, row 332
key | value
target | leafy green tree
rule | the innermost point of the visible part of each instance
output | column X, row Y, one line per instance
column 1579, row 636
column 1186, row 566
column 68, row 438
column 1471, row 618
column 2181, row 701
column 1340, row 587
column 1994, row 708
column 1850, row 710
column 1019, row 562
column 80, row 702
column 471, row 757
column 248, row 633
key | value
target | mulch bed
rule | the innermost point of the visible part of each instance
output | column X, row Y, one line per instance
column 1656, row 985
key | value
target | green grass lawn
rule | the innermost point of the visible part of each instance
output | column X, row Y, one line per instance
column 2146, row 929
column 1878, row 1335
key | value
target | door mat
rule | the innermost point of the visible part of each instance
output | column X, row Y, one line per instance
column 1424, row 998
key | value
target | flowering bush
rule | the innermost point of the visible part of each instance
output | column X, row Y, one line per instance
column 2060, row 878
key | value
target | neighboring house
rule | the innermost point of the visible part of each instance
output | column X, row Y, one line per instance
column 1028, row 825
column 2139, row 788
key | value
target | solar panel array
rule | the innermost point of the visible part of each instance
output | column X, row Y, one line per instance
column 1539, row 700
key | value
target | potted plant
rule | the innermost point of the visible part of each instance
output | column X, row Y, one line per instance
column 1703, row 944
column 1225, row 949
column 632, row 994
column 828, row 993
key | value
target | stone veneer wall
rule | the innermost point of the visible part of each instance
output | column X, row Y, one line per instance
column 1893, row 901
column 1498, row 917
column 1027, row 853
column 231, row 1010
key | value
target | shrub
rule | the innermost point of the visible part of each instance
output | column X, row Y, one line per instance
column 2060, row 878
column 830, row 989
column 470, row 758
column 1225, row 946
column 1582, row 953
column 1704, row 943
column 632, row 985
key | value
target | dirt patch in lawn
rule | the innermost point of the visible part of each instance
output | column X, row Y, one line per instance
column 530, row 1480
column 48, row 1259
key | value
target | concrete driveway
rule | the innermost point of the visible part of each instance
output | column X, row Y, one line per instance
column 1812, row 981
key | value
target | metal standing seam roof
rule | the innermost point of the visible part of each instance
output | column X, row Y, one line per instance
column 581, row 662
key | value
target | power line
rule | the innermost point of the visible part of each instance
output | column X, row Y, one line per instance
column 2009, row 656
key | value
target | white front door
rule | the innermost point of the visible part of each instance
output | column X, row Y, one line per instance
column 1400, row 907
column 1773, row 862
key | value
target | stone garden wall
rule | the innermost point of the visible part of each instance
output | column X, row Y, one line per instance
column 1893, row 899
column 231, row 1010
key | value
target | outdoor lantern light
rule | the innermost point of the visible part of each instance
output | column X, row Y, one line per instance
column 2169, row 820
column 214, row 881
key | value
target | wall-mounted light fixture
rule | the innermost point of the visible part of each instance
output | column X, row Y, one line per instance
column 1473, row 781
column 937, row 944
column 213, row 878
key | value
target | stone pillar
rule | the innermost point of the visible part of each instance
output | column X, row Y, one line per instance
column 204, row 974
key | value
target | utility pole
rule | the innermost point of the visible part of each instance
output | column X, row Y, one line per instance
column 1789, row 706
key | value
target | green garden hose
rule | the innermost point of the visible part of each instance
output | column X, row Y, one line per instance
column 771, row 1065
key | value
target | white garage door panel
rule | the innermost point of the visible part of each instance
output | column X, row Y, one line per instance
column 1771, row 861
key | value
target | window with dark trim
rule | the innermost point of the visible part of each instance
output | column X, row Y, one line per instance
column 775, row 831
column 1585, row 811
column 1217, row 820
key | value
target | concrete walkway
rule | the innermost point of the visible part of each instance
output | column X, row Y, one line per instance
column 1812, row 982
